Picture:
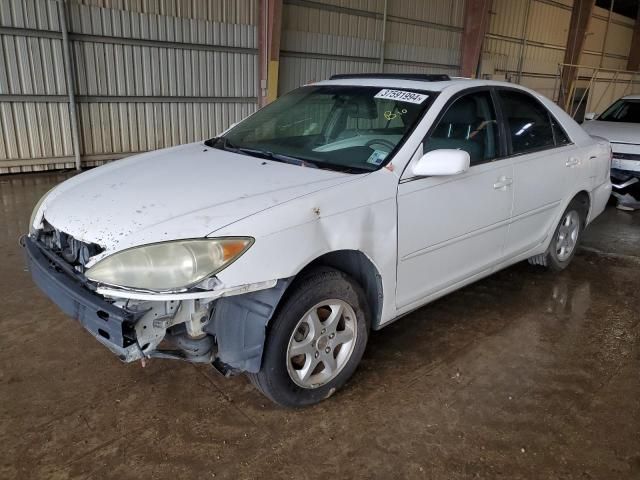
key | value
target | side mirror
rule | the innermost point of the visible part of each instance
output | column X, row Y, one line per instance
column 441, row 162
column 590, row 116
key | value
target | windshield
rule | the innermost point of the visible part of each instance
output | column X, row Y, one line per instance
column 622, row 111
column 350, row 128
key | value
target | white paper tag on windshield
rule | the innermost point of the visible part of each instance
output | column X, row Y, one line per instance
column 401, row 96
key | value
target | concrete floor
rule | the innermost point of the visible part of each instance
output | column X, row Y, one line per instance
column 523, row 375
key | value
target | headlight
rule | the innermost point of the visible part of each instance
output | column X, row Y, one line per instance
column 32, row 229
column 168, row 265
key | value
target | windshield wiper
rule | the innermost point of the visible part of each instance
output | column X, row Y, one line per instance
column 223, row 143
column 278, row 157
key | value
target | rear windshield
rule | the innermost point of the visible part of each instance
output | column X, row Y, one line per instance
column 350, row 128
column 627, row 111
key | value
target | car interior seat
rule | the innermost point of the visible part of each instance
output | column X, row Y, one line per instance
column 455, row 128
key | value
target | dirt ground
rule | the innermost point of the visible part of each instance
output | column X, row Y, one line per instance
column 522, row 375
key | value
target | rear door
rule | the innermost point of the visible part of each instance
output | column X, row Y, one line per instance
column 545, row 164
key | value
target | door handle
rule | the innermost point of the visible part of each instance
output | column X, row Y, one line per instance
column 502, row 183
column 572, row 162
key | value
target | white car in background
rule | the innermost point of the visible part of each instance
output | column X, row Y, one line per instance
column 274, row 248
column 620, row 124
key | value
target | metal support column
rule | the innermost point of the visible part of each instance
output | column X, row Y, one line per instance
column 69, row 74
column 580, row 16
column 633, row 63
column 606, row 33
column 382, row 40
column 525, row 36
column 476, row 17
column 270, row 28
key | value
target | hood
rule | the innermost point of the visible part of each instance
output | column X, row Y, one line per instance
column 615, row 132
column 182, row 192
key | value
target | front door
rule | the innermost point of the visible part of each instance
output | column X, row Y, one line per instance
column 453, row 228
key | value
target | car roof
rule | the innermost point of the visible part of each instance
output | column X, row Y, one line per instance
column 631, row 97
column 432, row 86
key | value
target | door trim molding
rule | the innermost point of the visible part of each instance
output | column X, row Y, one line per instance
column 451, row 241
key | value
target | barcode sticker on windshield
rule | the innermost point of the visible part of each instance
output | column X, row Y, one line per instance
column 377, row 157
column 401, row 96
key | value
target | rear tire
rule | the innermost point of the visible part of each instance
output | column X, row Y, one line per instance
column 566, row 237
column 315, row 341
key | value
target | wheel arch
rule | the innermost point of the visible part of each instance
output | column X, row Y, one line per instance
column 359, row 266
column 241, row 341
column 584, row 197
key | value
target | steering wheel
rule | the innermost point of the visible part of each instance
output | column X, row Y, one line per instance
column 380, row 141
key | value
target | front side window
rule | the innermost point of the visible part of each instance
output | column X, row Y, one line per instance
column 469, row 124
column 528, row 122
column 349, row 128
column 627, row 111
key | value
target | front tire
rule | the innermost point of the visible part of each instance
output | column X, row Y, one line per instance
column 315, row 341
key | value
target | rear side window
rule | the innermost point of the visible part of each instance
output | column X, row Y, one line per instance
column 528, row 122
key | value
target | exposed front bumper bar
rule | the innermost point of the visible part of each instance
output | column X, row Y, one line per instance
column 110, row 325
column 622, row 179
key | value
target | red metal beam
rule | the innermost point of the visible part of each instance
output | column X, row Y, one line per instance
column 269, row 34
column 476, row 16
column 580, row 17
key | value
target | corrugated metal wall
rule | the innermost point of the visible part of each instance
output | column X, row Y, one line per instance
column 149, row 74
column 526, row 41
column 344, row 36
column 155, row 73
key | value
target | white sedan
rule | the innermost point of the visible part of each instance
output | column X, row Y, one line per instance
column 620, row 124
column 274, row 248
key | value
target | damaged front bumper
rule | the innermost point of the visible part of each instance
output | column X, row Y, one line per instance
column 110, row 325
column 223, row 326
